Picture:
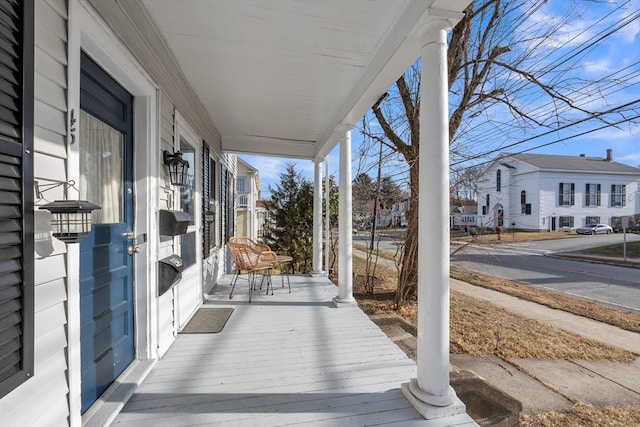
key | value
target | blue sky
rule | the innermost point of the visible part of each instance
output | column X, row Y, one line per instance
column 595, row 55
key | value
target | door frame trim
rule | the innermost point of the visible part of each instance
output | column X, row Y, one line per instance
column 88, row 32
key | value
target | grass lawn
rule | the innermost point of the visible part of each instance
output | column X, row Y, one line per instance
column 617, row 250
column 519, row 236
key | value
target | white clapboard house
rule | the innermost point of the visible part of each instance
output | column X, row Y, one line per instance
column 552, row 192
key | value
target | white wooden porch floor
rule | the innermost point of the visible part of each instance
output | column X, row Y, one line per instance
column 284, row 359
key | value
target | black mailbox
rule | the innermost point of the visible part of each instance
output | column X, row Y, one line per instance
column 173, row 223
column 169, row 272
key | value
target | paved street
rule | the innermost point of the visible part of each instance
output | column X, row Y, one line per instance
column 526, row 263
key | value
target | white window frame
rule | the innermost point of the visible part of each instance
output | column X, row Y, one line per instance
column 592, row 195
column 618, row 195
column 244, row 180
column 183, row 132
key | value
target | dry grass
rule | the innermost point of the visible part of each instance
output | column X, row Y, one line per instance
column 480, row 328
column 518, row 236
column 588, row 309
column 585, row 415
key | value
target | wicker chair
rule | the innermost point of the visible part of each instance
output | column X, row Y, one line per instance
column 250, row 259
column 260, row 247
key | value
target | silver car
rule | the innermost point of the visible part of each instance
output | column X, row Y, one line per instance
column 595, row 229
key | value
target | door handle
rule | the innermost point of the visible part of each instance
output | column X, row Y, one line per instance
column 131, row 250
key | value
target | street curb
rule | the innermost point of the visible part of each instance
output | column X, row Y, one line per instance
column 595, row 260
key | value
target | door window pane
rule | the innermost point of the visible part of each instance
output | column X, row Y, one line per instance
column 101, row 169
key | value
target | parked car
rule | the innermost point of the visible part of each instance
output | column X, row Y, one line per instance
column 595, row 229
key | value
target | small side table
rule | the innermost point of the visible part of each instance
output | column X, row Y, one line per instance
column 282, row 260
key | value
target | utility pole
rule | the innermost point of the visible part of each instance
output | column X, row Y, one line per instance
column 376, row 206
column 376, row 209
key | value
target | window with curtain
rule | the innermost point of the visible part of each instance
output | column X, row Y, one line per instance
column 101, row 169
column 618, row 195
column 592, row 220
column 565, row 221
column 241, row 185
column 592, row 195
column 566, row 194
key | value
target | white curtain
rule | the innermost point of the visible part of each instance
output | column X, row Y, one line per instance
column 101, row 167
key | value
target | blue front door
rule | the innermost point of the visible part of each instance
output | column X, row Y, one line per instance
column 106, row 267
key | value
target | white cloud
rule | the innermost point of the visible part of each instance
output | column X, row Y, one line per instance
column 630, row 32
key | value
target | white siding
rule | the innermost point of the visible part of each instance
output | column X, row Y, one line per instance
column 166, row 308
column 43, row 399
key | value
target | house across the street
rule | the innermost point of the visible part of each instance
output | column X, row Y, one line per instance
column 545, row 192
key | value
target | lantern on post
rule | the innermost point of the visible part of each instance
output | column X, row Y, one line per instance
column 177, row 167
column 71, row 219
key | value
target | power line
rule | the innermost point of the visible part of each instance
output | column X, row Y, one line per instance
column 559, row 140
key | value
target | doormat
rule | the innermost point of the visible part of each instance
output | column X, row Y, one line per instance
column 208, row 321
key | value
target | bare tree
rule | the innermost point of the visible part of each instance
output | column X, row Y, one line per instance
column 505, row 79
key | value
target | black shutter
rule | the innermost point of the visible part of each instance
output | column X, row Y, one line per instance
column 624, row 195
column 598, row 195
column 16, row 194
column 573, row 193
column 587, row 200
column 222, row 204
column 206, row 198
column 613, row 195
column 560, row 195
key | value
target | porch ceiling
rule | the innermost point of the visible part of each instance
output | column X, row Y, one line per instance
column 289, row 77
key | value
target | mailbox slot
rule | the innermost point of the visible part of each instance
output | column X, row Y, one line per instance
column 169, row 273
column 173, row 223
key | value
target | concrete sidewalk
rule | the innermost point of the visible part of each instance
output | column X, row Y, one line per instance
column 547, row 385
column 554, row 385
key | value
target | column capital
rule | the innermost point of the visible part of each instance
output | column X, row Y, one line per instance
column 345, row 127
column 437, row 20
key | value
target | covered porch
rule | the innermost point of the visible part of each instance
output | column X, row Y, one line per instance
column 292, row 79
column 285, row 359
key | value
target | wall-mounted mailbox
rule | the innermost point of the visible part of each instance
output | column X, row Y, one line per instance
column 173, row 223
column 169, row 272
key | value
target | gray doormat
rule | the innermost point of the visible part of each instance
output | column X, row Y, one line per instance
column 208, row 321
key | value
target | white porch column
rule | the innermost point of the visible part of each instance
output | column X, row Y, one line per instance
column 327, row 215
column 431, row 393
column 345, row 250
column 317, row 220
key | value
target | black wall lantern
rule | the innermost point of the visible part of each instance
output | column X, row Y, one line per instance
column 70, row 219
column 177, row 167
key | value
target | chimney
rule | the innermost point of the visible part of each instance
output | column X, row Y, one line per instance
column 609, row 155
column 582, row 155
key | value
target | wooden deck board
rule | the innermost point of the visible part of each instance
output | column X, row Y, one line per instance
column 285, row 359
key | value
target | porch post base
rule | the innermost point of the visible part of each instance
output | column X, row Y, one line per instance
column 431, row 411
column 318, row 274
column 341, row 302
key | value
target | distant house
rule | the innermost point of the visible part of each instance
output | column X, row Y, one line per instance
column 247, row 192
column 463, row 216
column 399, row 212
column 550, row 192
